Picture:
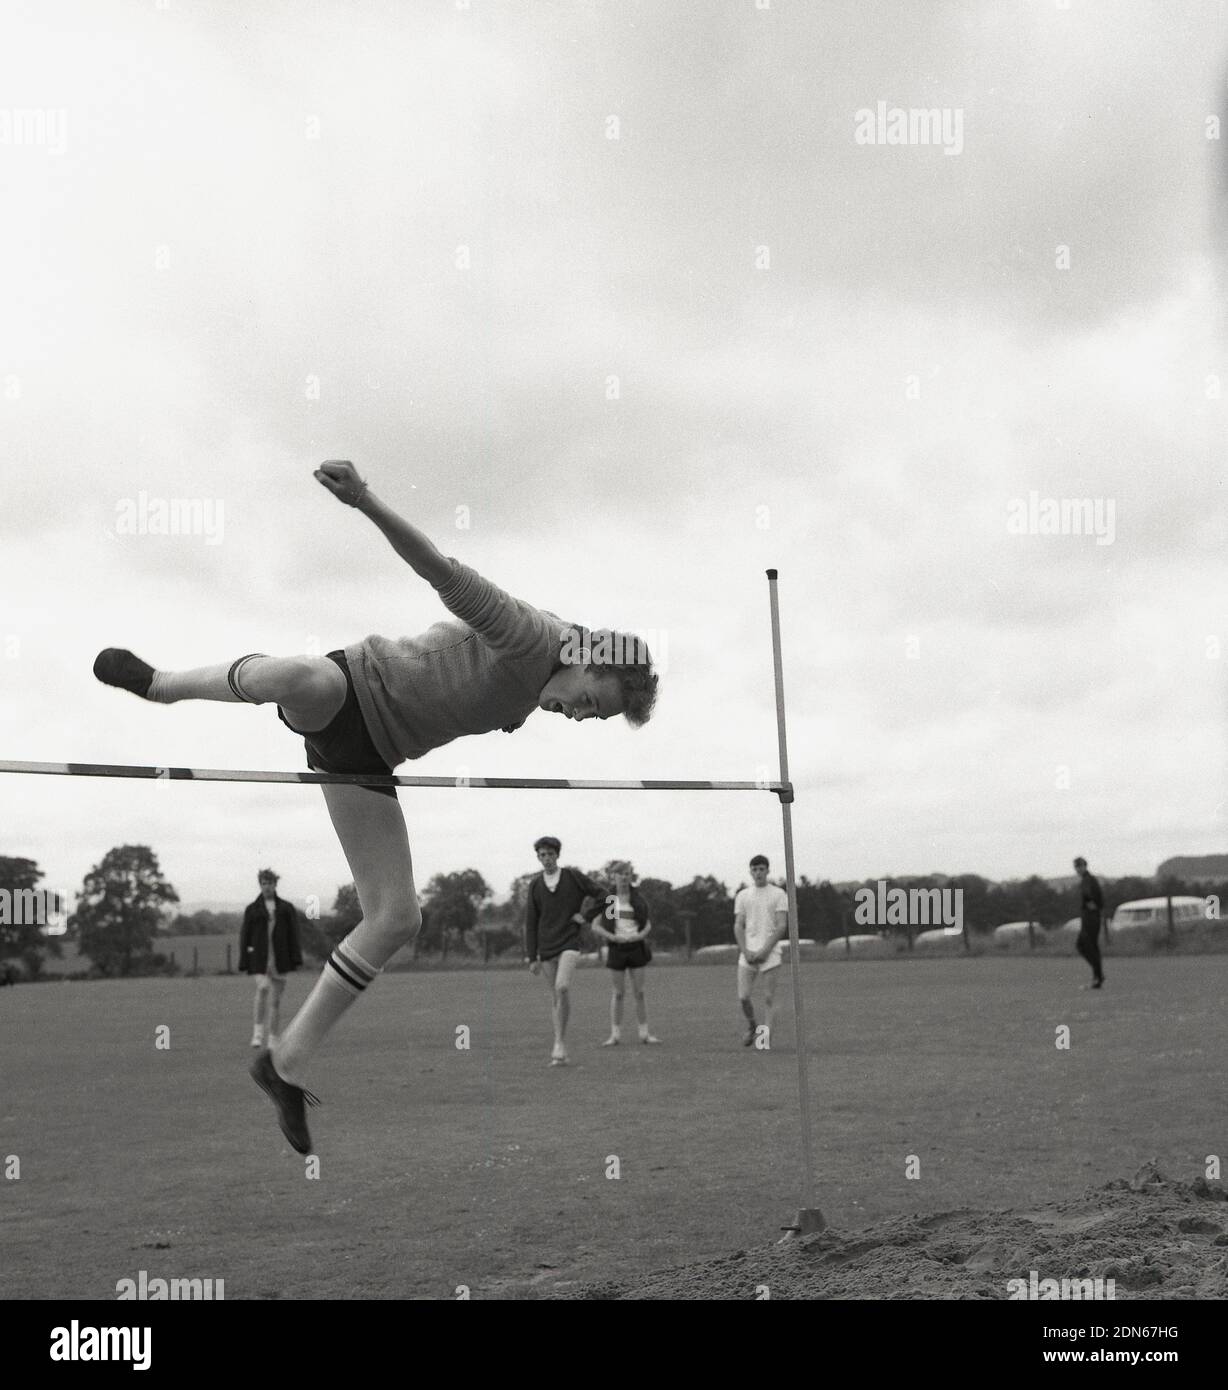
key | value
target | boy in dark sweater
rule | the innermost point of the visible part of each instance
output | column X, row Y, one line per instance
column 553, row 919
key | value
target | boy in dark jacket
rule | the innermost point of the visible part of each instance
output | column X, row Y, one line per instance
column 269, row 949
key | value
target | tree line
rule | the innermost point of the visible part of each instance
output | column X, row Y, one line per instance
column 125, row 905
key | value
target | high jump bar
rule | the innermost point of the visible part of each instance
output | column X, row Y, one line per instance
column 214, row 774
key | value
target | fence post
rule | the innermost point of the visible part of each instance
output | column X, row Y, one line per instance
column 844, row 922
column 195, row 960
column 1172, row 929
column 228, row 958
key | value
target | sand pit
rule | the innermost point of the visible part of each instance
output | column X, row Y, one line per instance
column 1156, row 1238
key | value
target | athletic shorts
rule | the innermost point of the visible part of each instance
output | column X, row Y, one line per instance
column 775, row 958
column 344, row 744
column 627, row 955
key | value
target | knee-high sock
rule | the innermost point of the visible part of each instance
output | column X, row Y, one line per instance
column 220, row 682
column 353, row 965
column 749, row 1010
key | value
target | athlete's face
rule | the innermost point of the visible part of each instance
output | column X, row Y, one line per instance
column 581, row 692
column 759, row 874
column 548, row 859
column 622, row 881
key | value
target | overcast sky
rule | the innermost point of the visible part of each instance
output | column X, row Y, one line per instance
column 243, row 239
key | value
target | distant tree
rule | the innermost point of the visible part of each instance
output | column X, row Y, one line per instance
column 25, row 910
column 452, row 902
column 347, row 912
column 518, row 896
column 822, row 910
column 119, row 910
column 1024, row 900
column 319, row 936
column 980, row 911
column 709, row 900
column 205, row 923
column 497, row 931
column 667, row 925
column 1121, row 890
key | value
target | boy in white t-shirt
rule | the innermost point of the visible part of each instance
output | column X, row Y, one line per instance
column 760, row 919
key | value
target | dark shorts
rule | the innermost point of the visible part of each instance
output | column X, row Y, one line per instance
column 633, row 956
column 344, row 744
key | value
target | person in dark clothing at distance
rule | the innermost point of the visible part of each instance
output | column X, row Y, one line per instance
column 269, row 949
column 1091, row 912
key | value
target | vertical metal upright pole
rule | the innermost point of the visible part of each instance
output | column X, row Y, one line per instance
column 809, row 1217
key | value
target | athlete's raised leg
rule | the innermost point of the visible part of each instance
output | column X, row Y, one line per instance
column 310, row 689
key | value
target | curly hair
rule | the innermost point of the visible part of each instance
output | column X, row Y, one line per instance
column 622, row 657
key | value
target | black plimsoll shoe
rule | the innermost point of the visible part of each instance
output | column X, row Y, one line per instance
column 117, row 666
column 289, row 1100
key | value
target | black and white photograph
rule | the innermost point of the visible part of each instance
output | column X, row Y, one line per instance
column 612, row 664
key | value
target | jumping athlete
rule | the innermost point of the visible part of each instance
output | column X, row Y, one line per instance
column 369, row 707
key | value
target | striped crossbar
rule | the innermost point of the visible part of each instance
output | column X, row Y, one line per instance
column 214, row 774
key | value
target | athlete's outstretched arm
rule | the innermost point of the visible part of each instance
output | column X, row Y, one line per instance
column 417, row 550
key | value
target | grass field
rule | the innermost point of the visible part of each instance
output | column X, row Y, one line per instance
column 442, row 1167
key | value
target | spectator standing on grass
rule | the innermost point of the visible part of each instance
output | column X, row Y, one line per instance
column 269, row 949
column 553, row 921
column 760, row 919
column 622, row 921
column 1091, row 912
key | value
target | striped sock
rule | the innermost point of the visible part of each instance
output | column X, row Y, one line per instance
column 351, row 971
column 345, row 976
column 221, row 682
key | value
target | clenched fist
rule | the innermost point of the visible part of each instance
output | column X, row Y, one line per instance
column 341, row 478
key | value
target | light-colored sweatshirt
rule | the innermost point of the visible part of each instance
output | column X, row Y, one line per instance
column 468, row 677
